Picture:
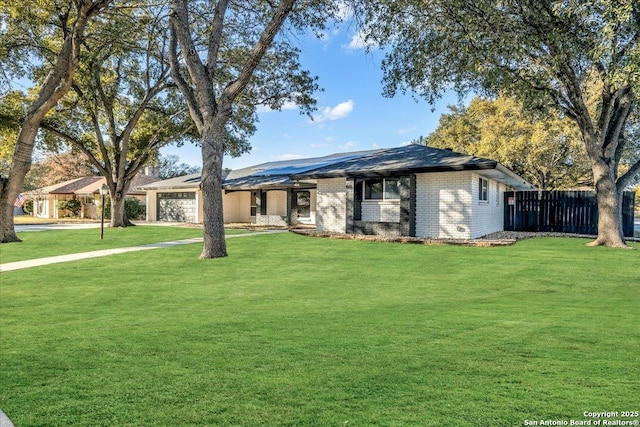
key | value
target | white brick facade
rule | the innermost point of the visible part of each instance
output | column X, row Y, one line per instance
column 448, row 206
column 443, row 205
column 331, row 205
column 381, row 210
column 488, row 217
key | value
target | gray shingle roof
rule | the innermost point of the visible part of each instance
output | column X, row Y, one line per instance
column 401, row 160
column 383, row 162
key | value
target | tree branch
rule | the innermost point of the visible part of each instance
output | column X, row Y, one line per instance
column 180, row 81
column 266, row 38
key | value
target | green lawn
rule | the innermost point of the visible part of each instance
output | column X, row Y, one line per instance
column 299, row 331
column 38, row 244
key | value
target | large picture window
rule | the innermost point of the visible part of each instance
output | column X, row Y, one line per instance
column 381, row 189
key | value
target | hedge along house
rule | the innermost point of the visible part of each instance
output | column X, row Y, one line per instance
column 413, row 191
column 263, row 194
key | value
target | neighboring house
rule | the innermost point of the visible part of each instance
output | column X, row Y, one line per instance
column 406, row 191
column 85, row 189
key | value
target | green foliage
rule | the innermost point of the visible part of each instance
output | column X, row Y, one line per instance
column 169, row 167
column 407, row 335
column 27, row 207
column 133, row 208
column 74, row 206
column 544, row 149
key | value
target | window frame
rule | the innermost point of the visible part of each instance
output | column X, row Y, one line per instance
column 384, row 193
column 483, row 190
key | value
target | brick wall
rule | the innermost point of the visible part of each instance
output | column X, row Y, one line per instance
column 487, row 216
column 448, row 206
column 381, row 211
column 331, row 205
column 443, row 205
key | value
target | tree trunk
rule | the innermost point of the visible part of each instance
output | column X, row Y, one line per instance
column 10, row 187
column 610, row 232
column 118, row 214
column 214, row 245
column 7, row 230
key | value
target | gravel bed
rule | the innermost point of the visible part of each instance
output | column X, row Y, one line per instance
column 520, row 235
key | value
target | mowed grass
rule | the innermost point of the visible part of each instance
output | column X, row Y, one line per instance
column 39, row 244
column 298, row 331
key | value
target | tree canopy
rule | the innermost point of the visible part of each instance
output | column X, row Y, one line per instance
column 121, row 108
column 544, row 149
column 42, row 41
column 580, row 58
column 227, row 58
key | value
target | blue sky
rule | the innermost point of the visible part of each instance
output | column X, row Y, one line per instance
column 352, row 114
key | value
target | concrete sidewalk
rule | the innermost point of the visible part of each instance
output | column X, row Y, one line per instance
column 4, row 420
column 18, row 265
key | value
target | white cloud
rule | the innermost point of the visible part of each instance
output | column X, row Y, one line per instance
column 344, row 11
column 359, row 42
column 403, row 131
column 340, row 111
column 405, row 143
column 288, row 105
column 349, row 145
column 315, row 145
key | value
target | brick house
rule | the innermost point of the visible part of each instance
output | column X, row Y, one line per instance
column 413, row 191
column 408, row 191
column 262, row 194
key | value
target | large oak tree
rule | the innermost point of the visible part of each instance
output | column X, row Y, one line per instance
column 121, row 110
column 30, row 31
column 227, row 57
column 582, row 58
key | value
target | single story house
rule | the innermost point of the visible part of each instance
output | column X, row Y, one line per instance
column 85, row 189
column 263, row 194
column 413, row 191
column 410, row 191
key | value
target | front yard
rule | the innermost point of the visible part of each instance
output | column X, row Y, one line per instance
column 300, row 331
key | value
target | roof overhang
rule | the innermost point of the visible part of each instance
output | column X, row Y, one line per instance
column 508, row 177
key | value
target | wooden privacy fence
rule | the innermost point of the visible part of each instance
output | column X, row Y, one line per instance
column 560, row 211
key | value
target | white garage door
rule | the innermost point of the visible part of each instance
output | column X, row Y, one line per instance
column 177, row 207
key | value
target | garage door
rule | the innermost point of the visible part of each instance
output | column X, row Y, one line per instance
column 177, row 207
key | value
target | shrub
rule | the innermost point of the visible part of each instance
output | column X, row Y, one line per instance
column 28, row 207
column 74, row 206
column 133, row 208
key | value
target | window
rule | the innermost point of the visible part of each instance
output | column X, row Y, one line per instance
column 382, row 189
column 483, row 193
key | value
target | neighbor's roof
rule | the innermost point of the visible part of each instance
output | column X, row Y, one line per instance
column 91, row 185
column 68, row 187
